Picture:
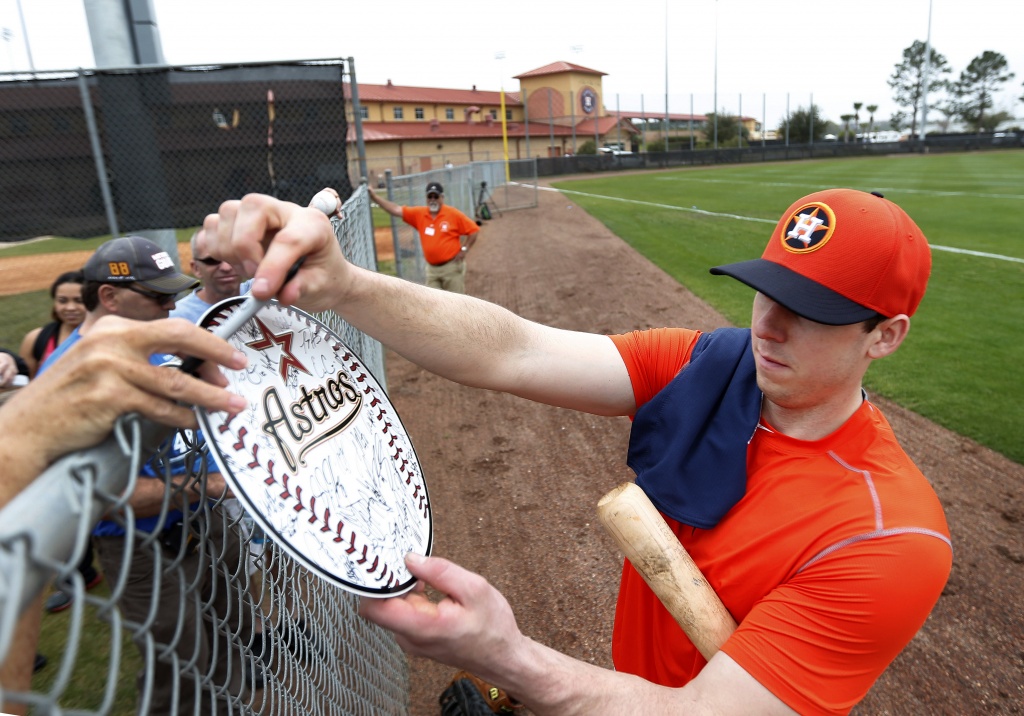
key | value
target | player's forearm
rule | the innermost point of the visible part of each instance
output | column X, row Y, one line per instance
column 457, row 337
column 550, row 682
column 484, row 345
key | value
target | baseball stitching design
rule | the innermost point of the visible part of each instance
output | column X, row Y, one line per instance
column 363, row 554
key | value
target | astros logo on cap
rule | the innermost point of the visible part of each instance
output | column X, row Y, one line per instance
column 809, row 228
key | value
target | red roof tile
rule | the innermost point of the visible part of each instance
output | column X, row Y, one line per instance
column 556, row 67
column 432, row 95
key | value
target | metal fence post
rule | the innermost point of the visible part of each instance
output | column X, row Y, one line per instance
column 526, row 123
column 394, row 225
column 97, row 155
column 357, row 115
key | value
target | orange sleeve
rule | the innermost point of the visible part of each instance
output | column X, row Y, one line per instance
column 412, row 215
column 654, row 357
column 821, row 639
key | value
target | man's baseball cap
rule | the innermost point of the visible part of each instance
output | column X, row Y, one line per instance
column 841, row 256
column 133, row 259
column 434, row 187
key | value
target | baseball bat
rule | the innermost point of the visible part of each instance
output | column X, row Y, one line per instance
column 655, row 552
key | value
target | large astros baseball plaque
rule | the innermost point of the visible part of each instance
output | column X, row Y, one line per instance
column 320, row 458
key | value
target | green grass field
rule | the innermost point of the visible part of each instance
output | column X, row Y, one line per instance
column 963, row 363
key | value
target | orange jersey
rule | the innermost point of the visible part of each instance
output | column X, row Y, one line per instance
column 830, row 563
column 440, row 236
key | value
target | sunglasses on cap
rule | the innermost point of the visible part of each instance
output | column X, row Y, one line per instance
column 208, row 260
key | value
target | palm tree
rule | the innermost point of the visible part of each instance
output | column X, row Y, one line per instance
column 871, row 108
column 856, row 117
column 846, row 126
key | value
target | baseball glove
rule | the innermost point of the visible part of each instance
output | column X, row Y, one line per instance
column 468, row 695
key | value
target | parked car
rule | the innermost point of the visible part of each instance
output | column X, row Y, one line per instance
column 614, row 149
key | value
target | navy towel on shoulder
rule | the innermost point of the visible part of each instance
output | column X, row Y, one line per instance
column 688, row 445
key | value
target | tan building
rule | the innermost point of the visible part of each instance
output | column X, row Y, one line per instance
column 557, row 108
column 652, row 128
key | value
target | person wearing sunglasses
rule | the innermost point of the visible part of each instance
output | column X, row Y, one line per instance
column 219, row 281
column 130, row 277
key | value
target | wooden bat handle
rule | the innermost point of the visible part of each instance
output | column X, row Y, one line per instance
column 643, row 536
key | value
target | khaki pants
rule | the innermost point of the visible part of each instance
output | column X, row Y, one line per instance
column 177, row 598
column 448, row 277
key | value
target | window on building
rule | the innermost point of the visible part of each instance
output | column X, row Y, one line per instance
column 494, row 114
column 449, row 113
column 508, row 115
column 398, row 113
column 419, row 113
column 364, row 112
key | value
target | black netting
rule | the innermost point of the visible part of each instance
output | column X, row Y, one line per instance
column 175, row 141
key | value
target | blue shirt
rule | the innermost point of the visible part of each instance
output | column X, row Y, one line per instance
column 192, row 308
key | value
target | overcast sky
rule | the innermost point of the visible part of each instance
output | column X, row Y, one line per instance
column 842, row 52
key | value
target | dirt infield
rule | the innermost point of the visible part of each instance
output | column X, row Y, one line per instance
column 514, row 485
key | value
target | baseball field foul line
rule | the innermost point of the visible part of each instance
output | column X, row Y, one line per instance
column 695, row 210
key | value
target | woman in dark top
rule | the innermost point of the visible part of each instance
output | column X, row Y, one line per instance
column 68, row 311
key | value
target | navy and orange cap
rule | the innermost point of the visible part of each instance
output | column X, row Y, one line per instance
column 841, row 256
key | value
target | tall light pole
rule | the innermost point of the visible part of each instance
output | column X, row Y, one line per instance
column 24, row 34
column 715, row 108
column 924, row 77
column 499, row 56
column 665, row 127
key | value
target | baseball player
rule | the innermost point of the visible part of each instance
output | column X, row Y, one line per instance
column 759, row 446
column 441, row 229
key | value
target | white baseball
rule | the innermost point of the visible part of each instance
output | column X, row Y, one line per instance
column 326, row 202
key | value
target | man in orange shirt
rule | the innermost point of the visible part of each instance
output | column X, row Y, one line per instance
column 441, row 229
column 759, row 446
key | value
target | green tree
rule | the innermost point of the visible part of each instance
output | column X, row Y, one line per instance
column 587, row 147
column 871, row 108
column 898, row 121
column 984, row 76
column 907, row 80
column 800, row 124
column 949, row 110
column 856, row 118
column 993, row 120
column 730, row 131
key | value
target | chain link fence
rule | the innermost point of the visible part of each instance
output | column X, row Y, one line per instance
column 480, row 190
column 203, row 614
